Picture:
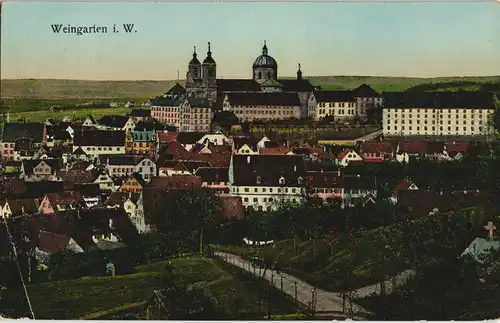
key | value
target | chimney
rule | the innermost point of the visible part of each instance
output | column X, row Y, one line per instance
column 248, row 159
column 129, row 195
column 7, row 118
column 294, row 168
column 22, row 209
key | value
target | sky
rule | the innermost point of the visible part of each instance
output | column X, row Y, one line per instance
column 369, row 39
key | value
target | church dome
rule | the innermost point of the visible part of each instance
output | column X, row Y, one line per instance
column 265, row 60
column 194, row 60
column 209, row 59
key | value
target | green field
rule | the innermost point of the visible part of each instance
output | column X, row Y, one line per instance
column 111, row 297
column 41, row 116
column 321, row 270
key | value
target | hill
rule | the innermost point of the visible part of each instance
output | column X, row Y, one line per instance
column 114, row 297
column 140, row 90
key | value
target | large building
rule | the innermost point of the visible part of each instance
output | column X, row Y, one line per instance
column 437, row 113
column 265, row 96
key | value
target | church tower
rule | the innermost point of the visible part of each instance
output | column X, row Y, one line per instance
column 193, row 76
column 209, row 76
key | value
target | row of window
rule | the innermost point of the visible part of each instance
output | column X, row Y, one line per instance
column 102, row 148
column 434, row 111
column 336, row 104
column 434, row 122
column 168, row 109
column 331, row 112
column 434, row 128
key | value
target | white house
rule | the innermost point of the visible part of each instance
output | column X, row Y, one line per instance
column 338, row 105
column 100, row 142
column 263, row 181
column 128, row 201
column 348, row 155
column 217, row 138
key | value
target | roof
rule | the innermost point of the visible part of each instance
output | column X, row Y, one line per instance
column 241, row 141
column 271, row 83
column 212, row 174
column 438, row 100
column 403, row 185
column 199, row 103
column 121, row 160
column 17, row 206
column 76, row 176
column 16, row 130
column 454, row 148
column 267, row 169
column 176, row 182
column 231, row 207
column 420, row 147
column 143, row 113
column 113, row 121
column 29, row 164
column 371, row 147
column 264, row 98
column 174, row 101
column 144, row 126
column 52, row 242
column 334, row 96
column 99, row 138
column 117, row 198
column 365, row 91
column 164, row 137
column 480, row 247
column 274, row 151
column 360, row 182
column 344, row 153
column 189, row 137
column 296, row 85
column 177, row 89
column 191, row 165
column 318, row 179
column 421, row 202
column 65, row 198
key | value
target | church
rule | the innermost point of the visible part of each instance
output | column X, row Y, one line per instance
column 264, row 96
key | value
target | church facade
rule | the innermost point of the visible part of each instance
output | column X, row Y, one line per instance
column 261, row 91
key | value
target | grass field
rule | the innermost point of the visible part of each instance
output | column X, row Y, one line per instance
column 113, row 297
column 139, row 90
column 321, row 270
column 41, row 116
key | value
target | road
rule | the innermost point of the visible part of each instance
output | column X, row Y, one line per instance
column 370, row 136
column 326, row 301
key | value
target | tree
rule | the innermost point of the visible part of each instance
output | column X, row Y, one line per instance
column 225, row 119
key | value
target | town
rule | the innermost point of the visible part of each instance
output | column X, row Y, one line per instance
column 266, row 198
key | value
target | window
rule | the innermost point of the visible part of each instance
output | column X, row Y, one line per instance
column 247, row 189
column 300, row 180
column 282, row 180
column 255, row 200
column 260, row 75
column 255, row 190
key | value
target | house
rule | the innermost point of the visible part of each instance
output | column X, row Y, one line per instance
column 339, row 106
column 99, row 142
column 195, row 115
column 460, row 113
column 61, row 201
column 37, row 170
column 140, row 115
column 132, row 183
column 123, row 123
column 265, row 180
column 404, row 184
column 103, row 179
column 325, row 185
column 13, row 131
column 217, row 138
column 347, row 156
column 123, row 165
column 50, row 243
column 244, row 146
column 166, row 108
column 89, row 122
column 456, row 151
column 128, row 201
column 189, row 139
column 175, row 167
column 262, row 142
column 276, row 151
column 366, row 99
column 163, row 138
column 253, row 106
column 357, row 188
column 144, row 139
column 408, row 149
column 213, row 178
column 17, row 207
column 176, row 182
column 376, row 151
column 90, row 192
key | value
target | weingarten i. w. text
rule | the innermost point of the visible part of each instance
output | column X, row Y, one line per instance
column 93, row 29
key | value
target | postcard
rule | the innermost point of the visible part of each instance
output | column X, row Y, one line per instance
column 249, row 160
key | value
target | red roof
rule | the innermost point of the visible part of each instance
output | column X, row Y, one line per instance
column 403, row 185
column 274, row 151
column 176, row 181
column 53, row 242
column 457, row 148
column 376, row 147
column 343, row 154
column 164, row 137
column 420, row 147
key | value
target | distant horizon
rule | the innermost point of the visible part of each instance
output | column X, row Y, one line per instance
column 281, row 77
column 424, row 40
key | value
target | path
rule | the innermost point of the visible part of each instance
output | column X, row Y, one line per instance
column 370, row 136
column 326, row 301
